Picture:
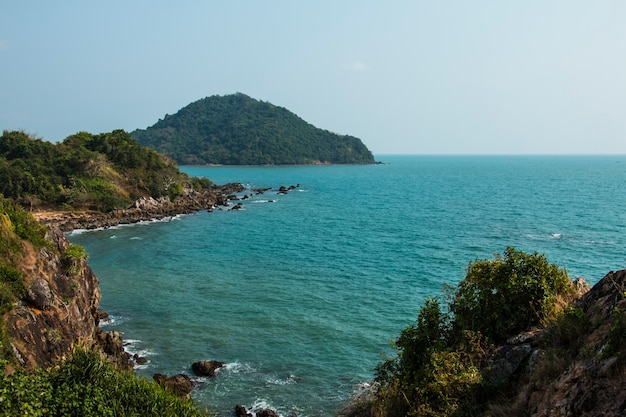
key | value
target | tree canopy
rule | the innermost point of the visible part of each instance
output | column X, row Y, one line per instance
column 239, row 130
column 101, row 172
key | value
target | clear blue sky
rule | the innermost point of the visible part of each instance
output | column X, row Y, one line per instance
column 415, row 76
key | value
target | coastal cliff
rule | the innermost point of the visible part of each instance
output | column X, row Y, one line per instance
column 59, row 310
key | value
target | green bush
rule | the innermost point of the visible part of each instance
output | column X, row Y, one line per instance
column 437, row 369
column 72, row 256
column 11, row 287
column 509, row 294
column 75, row 251
column 87, row 386
column 23, row 224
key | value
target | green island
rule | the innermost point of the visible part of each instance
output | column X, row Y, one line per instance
column 515, row 333
column 239, row 130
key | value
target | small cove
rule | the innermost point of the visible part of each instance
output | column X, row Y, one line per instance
column 300, row 296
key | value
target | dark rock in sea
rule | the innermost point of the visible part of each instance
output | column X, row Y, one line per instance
column 113, row 345
column 140, row 360
column 260, row 190
column 180, row 384
column 206, row 368
column 266, row 413
column 241, row 411
column 233, row 197
column 283, row 190
column 102, row 315
column 238, row 206
column 39, row 294
column 221, row 200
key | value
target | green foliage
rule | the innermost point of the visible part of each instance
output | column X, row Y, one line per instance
column 75, row 251
column 11, row 287
column 87, row 386
column 509, row 294
column 15, row 222
column 416, row 343
column 568, row 330
column 16, row 226
column 100, row 172
column 437, row 369
column 616, row 342
column 238, row 130
column 72, row 256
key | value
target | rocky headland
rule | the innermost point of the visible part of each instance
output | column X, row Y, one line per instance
column 574, row 367
column 149, row 208
column 143, row 209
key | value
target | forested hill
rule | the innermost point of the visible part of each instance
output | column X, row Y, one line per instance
column 239, row 130
column 97, row 172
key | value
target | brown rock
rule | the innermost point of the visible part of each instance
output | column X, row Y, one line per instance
column 39, row 294
column 241, row 411
column 180, row 384
column 206, row 368
column 266, row 413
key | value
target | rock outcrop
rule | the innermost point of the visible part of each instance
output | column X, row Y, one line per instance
column 206, row 368
column 574, row 370
column 574, row 367
column 59, row 310
column 179, row 384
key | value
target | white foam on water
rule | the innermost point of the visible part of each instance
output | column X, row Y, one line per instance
column 236, row 368
column 291, row 379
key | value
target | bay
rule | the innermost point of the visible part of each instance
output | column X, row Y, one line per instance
column 300, row 294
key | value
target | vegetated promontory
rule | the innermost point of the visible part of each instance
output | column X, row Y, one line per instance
column 239, row 130
column 98, row 180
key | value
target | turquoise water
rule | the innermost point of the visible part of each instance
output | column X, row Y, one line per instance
column 302, row 295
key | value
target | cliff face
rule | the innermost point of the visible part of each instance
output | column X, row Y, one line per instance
column 59, row 310
column 576, row 367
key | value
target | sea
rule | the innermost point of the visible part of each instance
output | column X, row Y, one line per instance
column 302, row 294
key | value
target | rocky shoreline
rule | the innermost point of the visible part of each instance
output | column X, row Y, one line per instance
column 228, row 196
column 149, row 209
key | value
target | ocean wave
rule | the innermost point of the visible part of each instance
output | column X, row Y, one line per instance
column 288, row 380
column 77, row 232
column 133, row 348
column 236, row 368
column 113, row 320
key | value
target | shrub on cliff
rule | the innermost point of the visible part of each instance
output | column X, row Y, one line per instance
column 86, row 386
column 17, row 224
column 437, row 369
column 508, row 294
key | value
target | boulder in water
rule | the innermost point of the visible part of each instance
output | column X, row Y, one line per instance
column 206, row 368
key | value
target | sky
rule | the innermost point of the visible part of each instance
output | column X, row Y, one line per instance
column 406, row 77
